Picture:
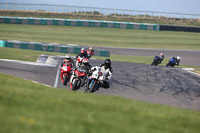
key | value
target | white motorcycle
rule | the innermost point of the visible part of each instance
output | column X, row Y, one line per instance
column 96, row 79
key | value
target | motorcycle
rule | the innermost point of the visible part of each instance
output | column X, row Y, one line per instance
column 65, row 73
column 79, row 60
column 156, row 61
column 172, row 62
column 95, row 80
column 78, row 78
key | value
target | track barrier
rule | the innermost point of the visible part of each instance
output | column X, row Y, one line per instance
column 52, row 47
column 77, row 22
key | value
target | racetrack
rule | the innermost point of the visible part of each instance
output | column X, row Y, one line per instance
column 169, row 86
column 189, row 57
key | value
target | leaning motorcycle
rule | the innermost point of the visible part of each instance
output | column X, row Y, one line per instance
column 171, row 62
column 65, row 73
column 78, row 78
column 95, row 80
column 156, row 61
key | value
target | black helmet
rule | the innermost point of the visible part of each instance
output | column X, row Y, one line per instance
column 107, row 63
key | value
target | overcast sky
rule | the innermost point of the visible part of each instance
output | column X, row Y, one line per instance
column 178, row 6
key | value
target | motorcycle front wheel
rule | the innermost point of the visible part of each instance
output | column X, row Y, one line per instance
column 75, row 85
column 65, row 79
column 93, row 87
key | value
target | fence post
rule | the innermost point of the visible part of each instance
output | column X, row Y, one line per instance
column 167, row 16
column 182, row 16
column 49, row 8
column 85, row 11
column 13, row 6
column 7, row 6
column 199, row 18
column 41, row 7
column 92, row 11
column 27, row 7
column 191, row 18
column 77, row 10
column 137, row 14
column 100, row 12
column 20, row 7
column 159, row 16
column 130, row 14
column 56, row 9
column 175, row 17
column 63, row 9
column 71, row 9
column 34, row 8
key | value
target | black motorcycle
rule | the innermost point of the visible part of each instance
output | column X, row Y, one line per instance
column 157, row 60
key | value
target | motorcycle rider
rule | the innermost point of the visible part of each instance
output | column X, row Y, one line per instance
column 90, row 52
column 67, row 60
column 106, row 68
column 160, row 58
column 175, row 60
column 85, row 65
column 82, row 53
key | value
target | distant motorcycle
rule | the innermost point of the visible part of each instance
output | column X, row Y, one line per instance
column 173, row 61
column 65, row 73
column 95, row 80
column 157, row 60
column 78, row 78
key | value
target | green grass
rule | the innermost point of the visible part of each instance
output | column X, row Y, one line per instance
column 29, row 107
column 101, row 36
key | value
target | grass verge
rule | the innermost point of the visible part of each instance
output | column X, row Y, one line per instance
column 92, row 36
column 29, row 107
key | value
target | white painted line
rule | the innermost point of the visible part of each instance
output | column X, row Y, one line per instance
column 40, row 83
column 28, row 62
column 190, row 71
column 57, row 76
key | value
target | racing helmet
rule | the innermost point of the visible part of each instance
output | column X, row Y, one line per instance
column 82, row 50
column 68, row 57
column 178, row 58
column 107, row 63
column 161, row 55
column 90, row 48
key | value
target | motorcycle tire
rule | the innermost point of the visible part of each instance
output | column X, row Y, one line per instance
column 66, row 77
column 75, row 86
column 93, row 87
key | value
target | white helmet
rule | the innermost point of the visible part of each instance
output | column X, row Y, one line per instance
column 68, row 57
column 178, row 58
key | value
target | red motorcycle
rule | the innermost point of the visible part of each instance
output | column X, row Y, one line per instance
column 65, row 72
column 78, row 78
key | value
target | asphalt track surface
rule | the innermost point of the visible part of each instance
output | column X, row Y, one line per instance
column 161, row 85
column 189, row 57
